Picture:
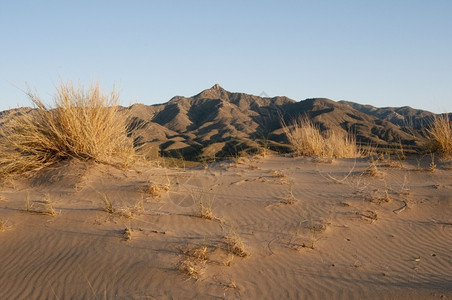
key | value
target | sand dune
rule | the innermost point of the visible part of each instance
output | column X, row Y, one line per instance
column 347, row 234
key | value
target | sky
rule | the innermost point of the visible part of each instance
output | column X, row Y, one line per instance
column 383, row 53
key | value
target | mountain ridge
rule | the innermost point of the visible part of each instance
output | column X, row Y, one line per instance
column 216, row 122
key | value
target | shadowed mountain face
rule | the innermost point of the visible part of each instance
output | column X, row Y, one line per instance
column 216, row 122
column 402, row 116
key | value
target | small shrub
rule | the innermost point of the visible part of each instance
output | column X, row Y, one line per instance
column 191, row 268
column 307, row 140
column 155, row 190
column 432, row 166
column 127, row 234
column 440, row 133
column 108, row 205
column 372, row 170
column 235, row 245
column 205, row 211
column 290, row 198
column 84, row 124
column 3, row 226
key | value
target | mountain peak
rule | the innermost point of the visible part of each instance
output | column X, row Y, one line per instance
column 216, row 87
column 215, row 92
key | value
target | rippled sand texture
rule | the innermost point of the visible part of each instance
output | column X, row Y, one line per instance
column 310, row 229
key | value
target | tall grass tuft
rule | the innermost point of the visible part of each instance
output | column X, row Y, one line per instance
column 307, row 140
column 440, row 133
column 86, row 124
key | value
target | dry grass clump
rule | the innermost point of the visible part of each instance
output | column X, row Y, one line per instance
column 313, row 228
column 205, row 211
column 205, row 201
column 440, row 133
column 127, row 233
column 84, row 124
column 307, row 140
column 3, row 225
column 125, row 211
column 41, row 208
column 372, row 170
column 191, row 268
column 290, row 198
column 235, row 245
column 108, row 205
column 155, row 190
column 194, row 264
column 432, row 166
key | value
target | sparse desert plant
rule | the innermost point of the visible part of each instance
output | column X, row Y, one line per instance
column 205, row 201
column 123, row 210
column 3, row 225
column 278, row 174
column 432, row 166
column 196, row 253
column 290, row 198
column 155, row 190
column 83, row 124
column 127, row 234
column 191, row 268
column 231, row 284
column 41, row 207
column 372, row 170
column 200, row 253
column 312, row 229
column 195, row 261
column 440, row 133
column 205, row 210
column 128, row 211
column 108, row 205
column 307, row 140
column 229, row 259
column 264, row 147
column 235, row 244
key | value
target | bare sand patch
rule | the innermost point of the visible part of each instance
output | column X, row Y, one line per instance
column 344, row 237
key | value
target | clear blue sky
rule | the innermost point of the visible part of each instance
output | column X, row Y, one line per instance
column 384, row 53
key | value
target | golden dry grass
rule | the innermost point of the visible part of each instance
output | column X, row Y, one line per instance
column 235, row 244
column 3, row 226
column 440, row 133
column 307, row 140
column 86, row 124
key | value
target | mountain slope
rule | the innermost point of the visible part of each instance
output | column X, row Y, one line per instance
column 402, row 116
column 216, row 122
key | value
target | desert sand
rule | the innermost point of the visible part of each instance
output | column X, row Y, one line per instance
column 309, row 229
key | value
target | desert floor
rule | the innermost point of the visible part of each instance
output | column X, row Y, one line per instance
column 310, row 230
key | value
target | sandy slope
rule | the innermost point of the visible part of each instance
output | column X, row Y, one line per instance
column 364, row 245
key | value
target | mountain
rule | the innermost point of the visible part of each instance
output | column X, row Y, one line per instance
column 217, row 122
